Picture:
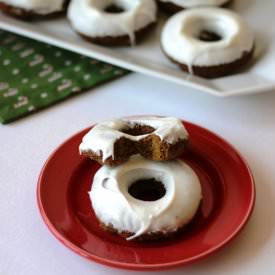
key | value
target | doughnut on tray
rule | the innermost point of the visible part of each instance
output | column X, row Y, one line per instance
column 147, row 58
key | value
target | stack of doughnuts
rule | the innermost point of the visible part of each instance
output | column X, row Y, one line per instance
column 142, row 191
column 202, row 38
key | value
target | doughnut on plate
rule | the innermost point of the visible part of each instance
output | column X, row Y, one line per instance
column 228, row 200
column 148, row 58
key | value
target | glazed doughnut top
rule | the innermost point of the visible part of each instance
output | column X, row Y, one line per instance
column 102, row 137
column 89, row 18
column 196, row 3
column 180, row 37
column 114, row 205
column 38, row 6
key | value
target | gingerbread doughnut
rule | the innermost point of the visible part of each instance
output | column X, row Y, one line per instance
column 143, row 199
column 208, row 42
column 113, row 142
column 112, row 23
column 30, row 9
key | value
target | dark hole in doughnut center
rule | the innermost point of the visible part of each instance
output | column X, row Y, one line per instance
column 113, row 8
column 209, row 36
column 137, row 130
column 147, row 189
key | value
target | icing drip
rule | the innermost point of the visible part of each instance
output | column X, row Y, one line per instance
column 151, row 17
column 103, row 136
column 114, row 205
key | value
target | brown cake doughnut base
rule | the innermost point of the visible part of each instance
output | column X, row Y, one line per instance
column 172, row 8
column 29, row 14
column 118, row 41
column 217, row 70
column 155, row 236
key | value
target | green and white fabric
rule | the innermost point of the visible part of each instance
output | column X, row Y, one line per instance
column 35, row 75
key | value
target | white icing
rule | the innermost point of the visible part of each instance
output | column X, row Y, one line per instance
column 179, row 40
column 38, row 6
column 88, row 17
column 114, row 205
column 196, row 3
column 102, row 137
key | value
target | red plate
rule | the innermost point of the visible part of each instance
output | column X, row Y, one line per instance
column 228, row 200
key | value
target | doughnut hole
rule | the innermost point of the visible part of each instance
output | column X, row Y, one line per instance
column 147, row 189
column 137, row 130
column 208, row 32
column 209, row 36
column 114, row 8
column 207, row 29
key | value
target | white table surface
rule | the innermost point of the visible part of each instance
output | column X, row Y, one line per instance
column 248, row 122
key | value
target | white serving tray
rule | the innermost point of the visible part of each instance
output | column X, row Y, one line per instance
column 147, row 58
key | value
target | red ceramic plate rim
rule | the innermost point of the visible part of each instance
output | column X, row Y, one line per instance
column 148, row 267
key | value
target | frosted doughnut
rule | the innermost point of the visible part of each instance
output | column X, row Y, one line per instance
column 184, row 42
column 41, row 7
column 183, row 4
column 113, row 142
column 119, row 210
column 89, row 18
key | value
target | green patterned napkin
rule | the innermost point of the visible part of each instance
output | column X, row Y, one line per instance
column 34, row 75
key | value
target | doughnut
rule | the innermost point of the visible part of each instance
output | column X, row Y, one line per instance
column 173, row 6
column 33, row 9
column 113, row 142
column 208, row 42
column 143, row 199
column 113, row 22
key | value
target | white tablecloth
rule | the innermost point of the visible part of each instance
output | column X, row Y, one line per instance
column 248, row 122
